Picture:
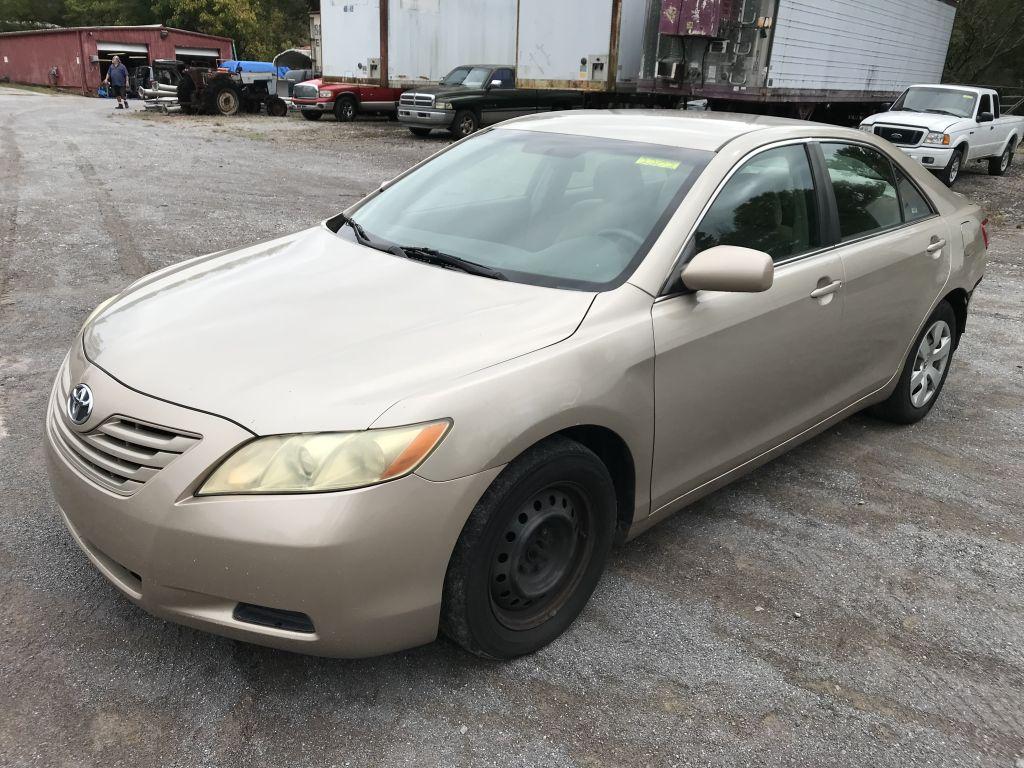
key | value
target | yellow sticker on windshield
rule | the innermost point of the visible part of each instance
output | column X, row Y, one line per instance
column 658, row 162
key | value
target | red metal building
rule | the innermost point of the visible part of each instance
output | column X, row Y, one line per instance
column 78, row 57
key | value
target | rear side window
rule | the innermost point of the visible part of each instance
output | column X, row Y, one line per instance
column 865, row 189
column 913, row 202
column 768, row 205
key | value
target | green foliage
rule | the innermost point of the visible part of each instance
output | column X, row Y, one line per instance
column 987, row 45
column 260, row 28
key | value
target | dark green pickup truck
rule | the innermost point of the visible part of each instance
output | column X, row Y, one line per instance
column 474, row 95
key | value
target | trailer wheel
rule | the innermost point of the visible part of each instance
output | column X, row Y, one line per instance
column 345, row 109
column 227, row 101
column 277, row 108
column 464, row 124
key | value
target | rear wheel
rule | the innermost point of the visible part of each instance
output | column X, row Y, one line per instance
column 464, row 124
column 997, row 166
column 345, row 109
column 420, row 131
column 951, row 172
column 312, row 115
column 924, row 371
column 531, row 552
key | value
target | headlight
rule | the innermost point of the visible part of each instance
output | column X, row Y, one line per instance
column 937, row 138
column 868, row 128
column 441, row 104
column 325, row 94
column 327, row 461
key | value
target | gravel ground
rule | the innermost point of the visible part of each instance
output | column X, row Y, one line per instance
column 858, row 602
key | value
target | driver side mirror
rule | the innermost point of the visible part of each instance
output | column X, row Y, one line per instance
column 729, row 268
column 494, row 84
column 985, row 117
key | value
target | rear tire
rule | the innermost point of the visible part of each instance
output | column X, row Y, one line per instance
column 997, row 166
column 420, row 131
column 312, row 115
column 345, row 109
column 924, row 370
column 465, row 123
column 951, row 172
column 531, row 552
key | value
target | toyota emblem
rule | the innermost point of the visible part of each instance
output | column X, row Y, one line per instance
column 80, row 404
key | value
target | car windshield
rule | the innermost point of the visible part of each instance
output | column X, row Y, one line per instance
column 456, row 76
column 943, row 101
column 476, row 77
column 541, row 208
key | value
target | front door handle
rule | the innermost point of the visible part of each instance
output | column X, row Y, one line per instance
column 825, row 290
column 936, row 246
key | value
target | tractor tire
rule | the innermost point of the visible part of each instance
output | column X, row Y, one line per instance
column 310, row 115
column 225, row 100
column 277, row 107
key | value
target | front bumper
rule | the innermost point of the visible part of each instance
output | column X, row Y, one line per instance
column 425, row 117
column 934, row 158
column 366, row 566
column 304, row 105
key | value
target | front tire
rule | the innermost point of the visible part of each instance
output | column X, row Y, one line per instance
column 312, row 115
column 345, row 109
column 531, row 552
column 464, row 124
column 924, row 370
column 997, row 166
column 951, row 172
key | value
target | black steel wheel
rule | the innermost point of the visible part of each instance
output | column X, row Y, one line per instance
column 312, row 115
column 277, row 107
column 531, row 552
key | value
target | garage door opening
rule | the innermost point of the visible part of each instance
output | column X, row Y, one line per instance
column 198, row 57
column 132, row 55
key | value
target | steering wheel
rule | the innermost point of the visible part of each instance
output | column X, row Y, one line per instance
column 625, row 234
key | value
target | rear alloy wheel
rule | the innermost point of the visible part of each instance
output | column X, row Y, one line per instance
column 951, row 172
column 345, row 109
column 924, row 371
column 997, row 166
column 531, row 552
column 464, row 124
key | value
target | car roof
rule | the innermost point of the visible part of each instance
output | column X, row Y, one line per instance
column 708, row 131
column 944, row 87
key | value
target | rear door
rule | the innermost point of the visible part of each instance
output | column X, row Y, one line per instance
column 896, row 256
column 737, row 374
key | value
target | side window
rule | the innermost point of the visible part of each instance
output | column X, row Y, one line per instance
column 995, row 104
column 985, row 105
column 506, row 77
column 769, row 205
column 914, row 204
column 865, row 190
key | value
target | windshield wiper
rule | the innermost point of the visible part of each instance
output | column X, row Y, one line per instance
column 362, row 237
column 942, row 112
column 441, row 259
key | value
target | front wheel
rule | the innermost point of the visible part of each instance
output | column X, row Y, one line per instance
column 924, row 370
column 531, row 552
column 951, row 172
column 465, row 123
column 345, row 109
column 997, row 166
column 277, row 107
column 312, row 115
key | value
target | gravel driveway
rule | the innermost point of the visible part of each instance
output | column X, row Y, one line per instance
column 858, row 602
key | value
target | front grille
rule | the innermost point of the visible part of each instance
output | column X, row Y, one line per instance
column 122, row 453
column 305, row 91
column 416, row 100
column 900, row 135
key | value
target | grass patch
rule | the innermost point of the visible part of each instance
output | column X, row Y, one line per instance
column 37, row 89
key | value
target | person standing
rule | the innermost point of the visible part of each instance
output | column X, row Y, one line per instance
column 117, row 79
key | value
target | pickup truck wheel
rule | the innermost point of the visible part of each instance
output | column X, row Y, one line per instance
column 997, row 166
column 951, row 172
column 465, row 123
column 345, row 109
column 419, row 131
column 924, row 371
column 309, row 115
column 531, row 552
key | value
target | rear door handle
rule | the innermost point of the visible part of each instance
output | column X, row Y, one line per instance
column 937, row 246
column 825, row 290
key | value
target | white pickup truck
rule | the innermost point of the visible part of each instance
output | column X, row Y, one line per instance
column 944, row 126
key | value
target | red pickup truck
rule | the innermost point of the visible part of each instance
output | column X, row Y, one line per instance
column 345, row 100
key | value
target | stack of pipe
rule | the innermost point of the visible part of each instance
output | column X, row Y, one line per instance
column 162, row 97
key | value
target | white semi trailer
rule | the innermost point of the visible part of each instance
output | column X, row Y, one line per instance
column 827, row 58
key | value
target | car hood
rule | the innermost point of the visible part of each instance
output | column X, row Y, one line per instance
column 447, row 90
column 929, row 121
column 313, row 332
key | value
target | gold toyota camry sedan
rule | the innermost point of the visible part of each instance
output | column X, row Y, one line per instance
column 438, row 410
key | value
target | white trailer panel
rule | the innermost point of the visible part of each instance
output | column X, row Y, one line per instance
column 351, row 38
column 429, row 38
column 868, row 45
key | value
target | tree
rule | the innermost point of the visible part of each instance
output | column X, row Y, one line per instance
column 987, row 44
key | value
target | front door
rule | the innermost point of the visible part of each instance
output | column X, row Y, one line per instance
column 736, row 374
column 505, row 101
